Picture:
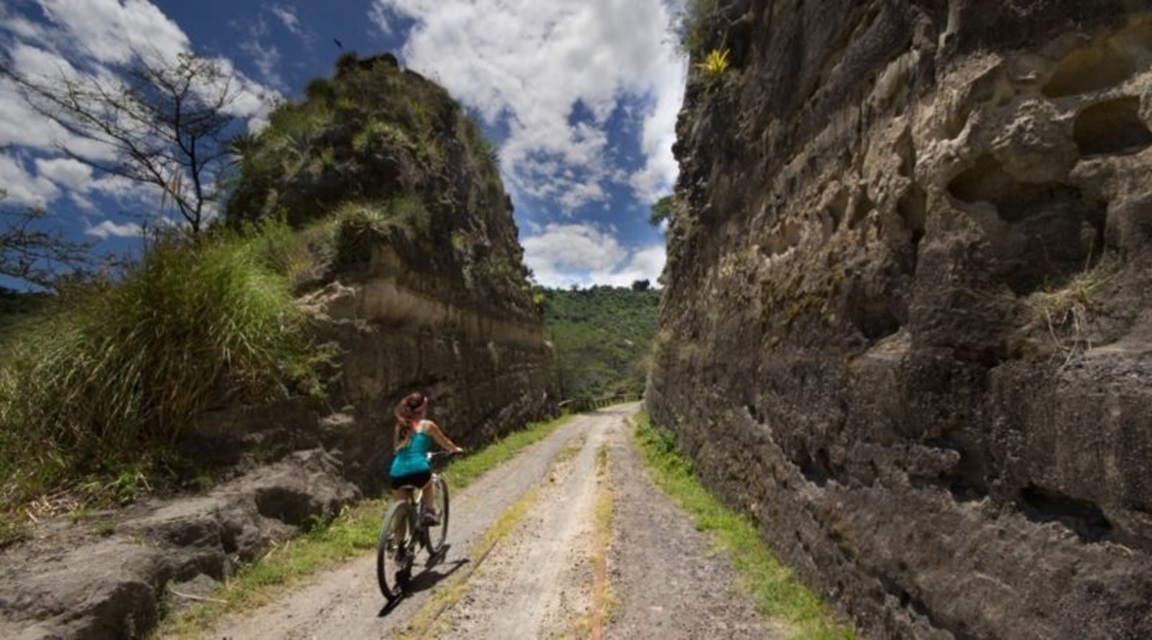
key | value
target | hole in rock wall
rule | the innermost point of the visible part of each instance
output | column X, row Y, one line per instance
column 913, row 208
column 875, row 316
column 817, row 469
column 1061, row 228
column 906, row 151
column 838, row 208
column 860, row 210
column 966, row 480
column 1090, row 69
column 1082, row 517
column 1112, row 127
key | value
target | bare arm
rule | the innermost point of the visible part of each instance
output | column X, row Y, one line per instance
column 441, row 439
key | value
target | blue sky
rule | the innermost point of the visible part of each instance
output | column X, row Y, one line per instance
column 580, row 95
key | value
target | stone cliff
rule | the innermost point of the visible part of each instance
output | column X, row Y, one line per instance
column 907, row 321
column 429, row 291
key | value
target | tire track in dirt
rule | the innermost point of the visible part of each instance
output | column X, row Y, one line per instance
column 538, row 582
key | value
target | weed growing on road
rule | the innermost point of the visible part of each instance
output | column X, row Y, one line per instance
column 777, row 592
column 351, row 534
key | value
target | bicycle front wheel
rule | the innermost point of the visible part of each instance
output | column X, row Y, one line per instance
column 438, row 533
column 393, row 559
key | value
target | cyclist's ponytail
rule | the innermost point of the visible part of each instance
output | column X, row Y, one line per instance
column 410, row 408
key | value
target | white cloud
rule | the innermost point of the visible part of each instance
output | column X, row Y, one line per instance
column 112, row 31
column 378, row 16
column 108, row 228
column 529, row 65
column 658, row 176
column 286, row 14
column 267, row 59
column 562, row 255
column 22, row 187
column 68, row 173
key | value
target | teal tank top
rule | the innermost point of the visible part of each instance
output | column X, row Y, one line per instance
column 412, row 457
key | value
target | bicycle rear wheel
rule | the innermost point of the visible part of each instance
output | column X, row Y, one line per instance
column 438, row 533
column 394, row 550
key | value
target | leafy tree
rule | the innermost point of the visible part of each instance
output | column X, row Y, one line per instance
column 166, row 124
column 641, row 285
column 662, row 210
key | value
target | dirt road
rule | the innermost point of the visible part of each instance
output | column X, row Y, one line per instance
column 568, row 540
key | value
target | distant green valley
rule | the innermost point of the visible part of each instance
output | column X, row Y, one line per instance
column 602, row 336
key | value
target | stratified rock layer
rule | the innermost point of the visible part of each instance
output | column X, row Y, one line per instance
column 427, row 290
column 907, row 319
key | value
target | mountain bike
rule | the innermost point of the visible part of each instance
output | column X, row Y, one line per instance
column 404, row 533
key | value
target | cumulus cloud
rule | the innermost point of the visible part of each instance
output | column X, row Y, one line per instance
column 553, row 74
column 24, row 187
column 562, row 255
column 286, row 14
column 113, row 31
column 66, row 172
column 109, row 229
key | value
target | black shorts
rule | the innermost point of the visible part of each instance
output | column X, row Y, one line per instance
column 411, row 480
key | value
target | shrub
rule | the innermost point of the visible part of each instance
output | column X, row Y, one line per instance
column 127, row 364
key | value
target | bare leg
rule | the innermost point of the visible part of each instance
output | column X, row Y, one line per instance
column 402, row 523
column 428, row 498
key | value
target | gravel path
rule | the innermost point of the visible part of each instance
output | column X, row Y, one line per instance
column 535, row 575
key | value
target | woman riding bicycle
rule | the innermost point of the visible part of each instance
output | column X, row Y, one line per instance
column 414, row 437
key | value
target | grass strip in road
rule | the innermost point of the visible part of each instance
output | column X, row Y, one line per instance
column 777, row 592
column 351, row 534
column 602, row 597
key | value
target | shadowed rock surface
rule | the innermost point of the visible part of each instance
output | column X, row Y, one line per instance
column 906, row 321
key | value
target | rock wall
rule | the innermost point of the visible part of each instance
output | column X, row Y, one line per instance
column 487, row 373
column 907, row 320
column 426, row 290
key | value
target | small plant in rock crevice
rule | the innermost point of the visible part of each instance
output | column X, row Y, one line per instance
column 715, row 64
column 1067, row 312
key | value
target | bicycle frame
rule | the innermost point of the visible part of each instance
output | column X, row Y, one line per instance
column 404, row 521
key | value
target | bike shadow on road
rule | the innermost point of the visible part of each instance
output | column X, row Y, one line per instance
column 432, row 574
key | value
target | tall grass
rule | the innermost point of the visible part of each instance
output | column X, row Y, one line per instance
column 123, row 366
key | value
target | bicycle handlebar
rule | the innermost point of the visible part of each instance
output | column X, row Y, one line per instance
column 442, row 455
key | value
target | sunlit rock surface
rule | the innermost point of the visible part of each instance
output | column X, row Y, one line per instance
column 907, row 317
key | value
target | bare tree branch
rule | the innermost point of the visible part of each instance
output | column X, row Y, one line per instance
column 165, row 125
column 34, row 255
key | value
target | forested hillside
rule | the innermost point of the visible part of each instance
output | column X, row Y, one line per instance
column 602, row 337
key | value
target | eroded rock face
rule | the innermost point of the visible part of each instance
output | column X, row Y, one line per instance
column 114, row 574
column 907, row 306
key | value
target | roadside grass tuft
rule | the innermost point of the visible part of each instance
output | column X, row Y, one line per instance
column 777, row 591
